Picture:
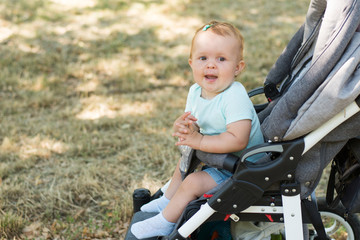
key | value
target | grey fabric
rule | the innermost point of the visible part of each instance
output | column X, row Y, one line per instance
column 212, row 159
column 326, row 86
column 331, row 44
column 314, row 15
column 338, row 90
column 311, row 166
column 298, row 46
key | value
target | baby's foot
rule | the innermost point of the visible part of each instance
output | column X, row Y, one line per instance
column 152, row 227
column 156, row 205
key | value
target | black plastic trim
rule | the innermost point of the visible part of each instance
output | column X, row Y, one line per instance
column 271, row 91
column 230, row 163
column 357, row 100
column 250, row 180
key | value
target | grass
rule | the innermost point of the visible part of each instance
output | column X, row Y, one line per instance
column 88, row 94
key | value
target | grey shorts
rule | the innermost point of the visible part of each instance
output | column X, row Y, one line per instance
column 219, row 175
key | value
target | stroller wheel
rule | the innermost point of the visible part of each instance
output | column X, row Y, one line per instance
column 336, row 226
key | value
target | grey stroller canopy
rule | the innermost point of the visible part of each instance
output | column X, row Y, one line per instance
column 317, row 76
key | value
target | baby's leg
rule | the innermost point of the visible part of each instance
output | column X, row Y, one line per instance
column 159, row 204
column 176, row 181
column 194, row 185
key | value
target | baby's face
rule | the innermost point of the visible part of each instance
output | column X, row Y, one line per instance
column 215, row 62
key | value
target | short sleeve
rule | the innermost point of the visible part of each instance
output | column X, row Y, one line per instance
column 191, row 97
column 237, row 105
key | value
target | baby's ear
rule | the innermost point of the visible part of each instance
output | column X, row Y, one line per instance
column 240, row 67
column 190, row 62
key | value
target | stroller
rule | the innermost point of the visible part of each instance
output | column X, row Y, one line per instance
column 311, row 118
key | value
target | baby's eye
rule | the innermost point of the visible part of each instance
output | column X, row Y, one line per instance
column 202, row 58
column 221, row 59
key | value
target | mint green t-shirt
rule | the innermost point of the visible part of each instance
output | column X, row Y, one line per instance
column 230, row 106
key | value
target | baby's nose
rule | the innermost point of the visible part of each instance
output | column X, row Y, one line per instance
column 211, row 64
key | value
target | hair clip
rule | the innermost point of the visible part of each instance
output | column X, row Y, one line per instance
column 206, row 27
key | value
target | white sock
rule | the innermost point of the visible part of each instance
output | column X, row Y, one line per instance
column 152, row 227
column 156, row 205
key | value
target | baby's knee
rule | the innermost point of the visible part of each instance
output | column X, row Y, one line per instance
column 192, row 182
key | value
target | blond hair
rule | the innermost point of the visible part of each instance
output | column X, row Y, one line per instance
column 222, row 29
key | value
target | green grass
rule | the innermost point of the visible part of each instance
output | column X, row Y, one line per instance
column 88, row 94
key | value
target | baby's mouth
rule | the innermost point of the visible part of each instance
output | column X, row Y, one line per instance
column 211, row 77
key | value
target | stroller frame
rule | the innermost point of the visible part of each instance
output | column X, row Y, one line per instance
column 291, row 209
column 238, row 198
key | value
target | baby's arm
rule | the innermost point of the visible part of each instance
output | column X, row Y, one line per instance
column 234, row 139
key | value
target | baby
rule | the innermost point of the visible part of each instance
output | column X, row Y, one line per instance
column 219, row 118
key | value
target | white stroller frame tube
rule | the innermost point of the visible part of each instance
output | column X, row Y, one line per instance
column 195, row 221
column 292, row 204
column 292, row 217
column 314, row 137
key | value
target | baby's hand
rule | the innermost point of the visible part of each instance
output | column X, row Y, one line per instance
column 187, row 128
column 186, row 120
column 189, row 136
